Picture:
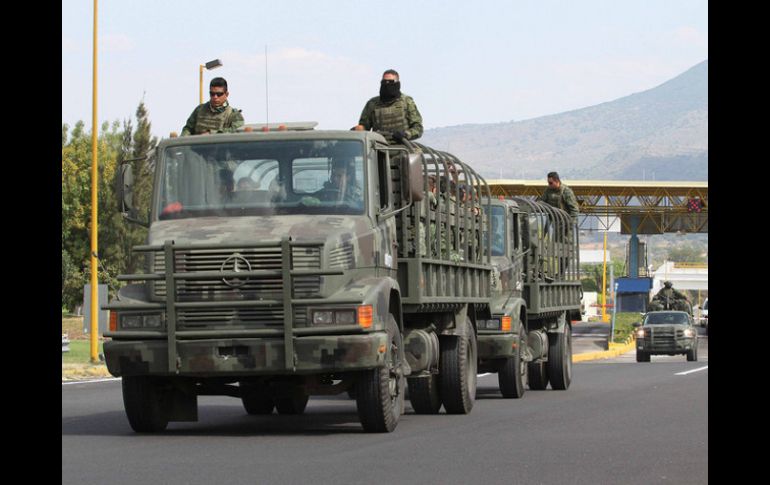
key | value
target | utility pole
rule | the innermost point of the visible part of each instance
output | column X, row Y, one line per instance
column 94, row 213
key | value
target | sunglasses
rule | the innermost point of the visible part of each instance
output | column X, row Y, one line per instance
column 215, row 94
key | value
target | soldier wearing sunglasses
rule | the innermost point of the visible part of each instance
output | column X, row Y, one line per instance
column 215, row 116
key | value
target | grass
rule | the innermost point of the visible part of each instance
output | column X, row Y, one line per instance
column 80, row 352
column 623, row 325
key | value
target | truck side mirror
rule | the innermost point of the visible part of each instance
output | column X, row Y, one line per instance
column 636, row 324
column 415, row 176
column 124, row 190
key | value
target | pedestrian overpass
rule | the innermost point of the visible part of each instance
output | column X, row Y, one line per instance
column 632, row 206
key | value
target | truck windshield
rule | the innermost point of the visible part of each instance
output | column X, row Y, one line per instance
column 498, row 231
column 262, row 178
column 666, row 319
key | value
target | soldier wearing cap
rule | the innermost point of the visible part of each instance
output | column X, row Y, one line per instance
column 392, row 114
column 216, row 115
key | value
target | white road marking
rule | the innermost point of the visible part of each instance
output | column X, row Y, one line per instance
column 89, row 381
column 691, row 371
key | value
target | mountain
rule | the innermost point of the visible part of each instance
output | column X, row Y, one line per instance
column 658, row 134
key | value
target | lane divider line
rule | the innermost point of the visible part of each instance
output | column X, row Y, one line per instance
column 88, row 381
column 691, row 371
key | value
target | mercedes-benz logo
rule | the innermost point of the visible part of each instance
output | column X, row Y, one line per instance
column 235, row 263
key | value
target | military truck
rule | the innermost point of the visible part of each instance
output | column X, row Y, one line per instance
column 667, row 333
column 536, row 295
column 294, row 262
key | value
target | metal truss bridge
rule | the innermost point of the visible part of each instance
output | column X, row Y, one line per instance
column 648, row 207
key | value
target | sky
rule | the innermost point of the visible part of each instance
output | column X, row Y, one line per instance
column 462, row 62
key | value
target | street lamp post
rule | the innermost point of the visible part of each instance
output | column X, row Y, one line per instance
column 208, row 66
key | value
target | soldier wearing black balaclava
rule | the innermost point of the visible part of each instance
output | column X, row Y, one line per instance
column 392, row 114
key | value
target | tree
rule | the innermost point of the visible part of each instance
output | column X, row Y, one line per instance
column 115, row 236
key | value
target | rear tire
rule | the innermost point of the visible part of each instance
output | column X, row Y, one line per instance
column 537, row 375
column 146, row 404
column 380, row 392
column 424, row 394
column 560, row 359
column 458, row 368
column 512, row 376
column 642, row 356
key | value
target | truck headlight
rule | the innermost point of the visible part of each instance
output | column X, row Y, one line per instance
column 154, row 320
column 325, row 317
column 640, row 333
column 130, row 321
column 688, row 332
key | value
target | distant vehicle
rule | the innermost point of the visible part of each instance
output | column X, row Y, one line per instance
column 666, row 333
column 704, row 314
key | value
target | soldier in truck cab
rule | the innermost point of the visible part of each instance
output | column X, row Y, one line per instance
column 392, row 114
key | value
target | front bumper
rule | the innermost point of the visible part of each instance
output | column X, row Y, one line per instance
column 248, row 356
column 496, row 345
column 667, row 346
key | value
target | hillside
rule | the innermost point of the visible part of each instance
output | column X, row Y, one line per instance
column 659, row 134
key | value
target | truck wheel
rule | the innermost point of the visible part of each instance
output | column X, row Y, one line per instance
column 512, row 377
column 457, row 366
column 642, row 356
column 292, row 405
column 692, row 355
column 424, row 394
column 537, row 375
column 255, row 400
column 380, row 392
column 560, row 359
column 146, row 404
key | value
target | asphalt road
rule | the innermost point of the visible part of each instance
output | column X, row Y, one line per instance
column 620, row 422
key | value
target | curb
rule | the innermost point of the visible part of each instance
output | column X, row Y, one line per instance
column 76, row 372
column 615, row 349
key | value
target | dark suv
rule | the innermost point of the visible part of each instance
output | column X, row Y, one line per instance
column 667, row 333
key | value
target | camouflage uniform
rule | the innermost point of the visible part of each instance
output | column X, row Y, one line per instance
column 223, row 119
column 386, row 118
column 563, row 198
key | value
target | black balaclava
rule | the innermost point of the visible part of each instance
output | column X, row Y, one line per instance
column 389, row 91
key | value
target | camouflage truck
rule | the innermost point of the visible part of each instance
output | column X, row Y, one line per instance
column 536, row 295
column 296, row 262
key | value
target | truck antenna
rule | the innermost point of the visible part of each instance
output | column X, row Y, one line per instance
column 267, row 112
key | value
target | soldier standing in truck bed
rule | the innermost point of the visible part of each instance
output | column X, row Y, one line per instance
column 559, row 195
column 392, row 114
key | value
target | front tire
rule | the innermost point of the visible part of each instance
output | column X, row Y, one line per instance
column 458, row 368
column 560, row 359
column 512, row 376
column 255, row 400
column 146, row 404
column 642, row 356
column 292, row 405
column 380, row 392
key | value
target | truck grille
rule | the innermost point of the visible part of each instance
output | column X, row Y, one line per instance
column 255, row 288
column 662, row 338
column 258, row 258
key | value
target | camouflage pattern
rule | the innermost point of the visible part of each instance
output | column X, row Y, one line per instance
column 667, row 339
column 399, row 115
column 360, row 252
column 205, row 358
column 563, row 198
column 222, row 119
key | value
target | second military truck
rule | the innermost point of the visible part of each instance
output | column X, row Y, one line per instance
column 536, row 296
